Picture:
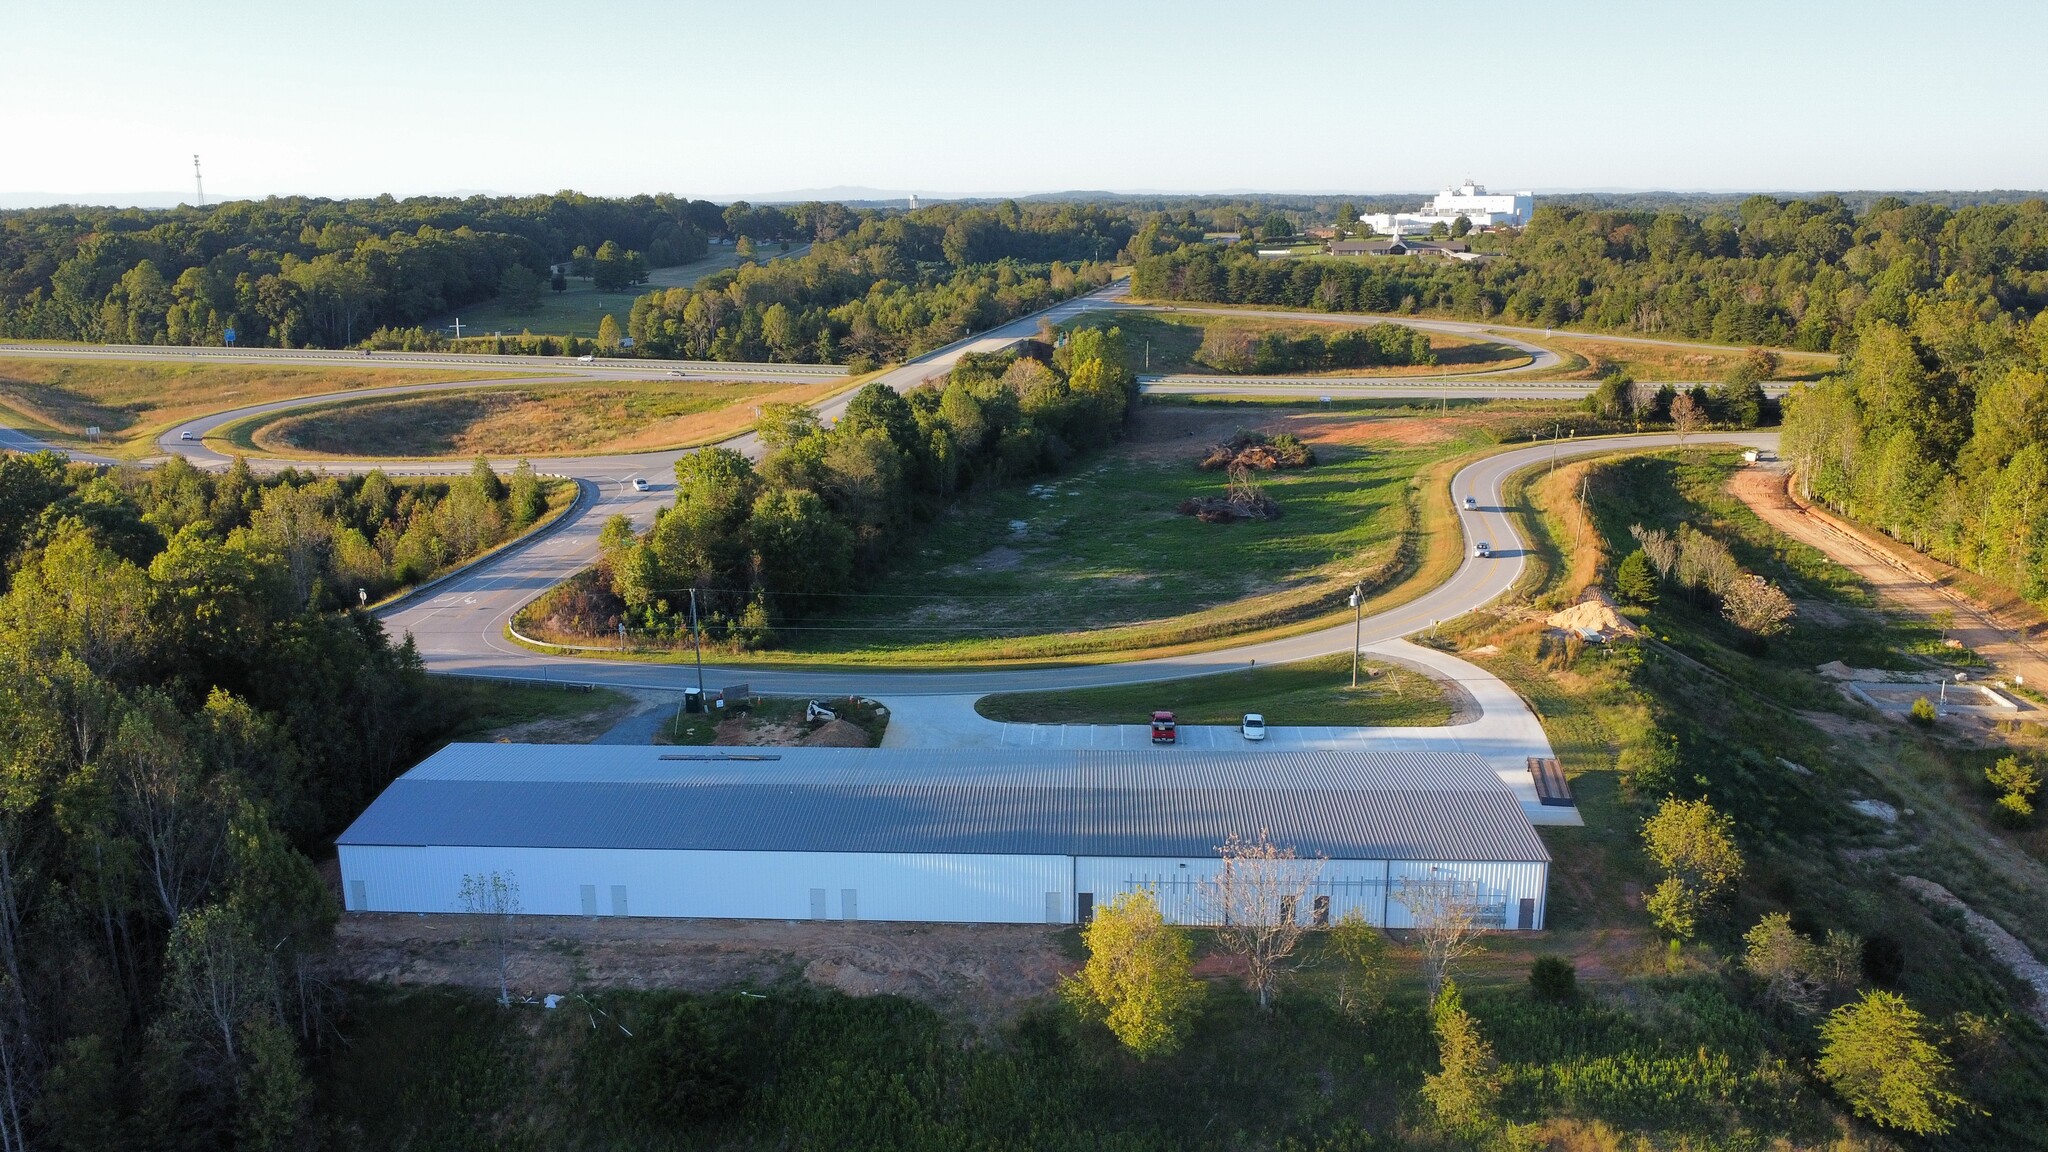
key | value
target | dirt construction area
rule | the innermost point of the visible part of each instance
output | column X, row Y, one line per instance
column 982, row 970
column 1901, row 588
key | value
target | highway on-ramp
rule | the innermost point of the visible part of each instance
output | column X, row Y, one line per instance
column 460, row 625
column 460, row 622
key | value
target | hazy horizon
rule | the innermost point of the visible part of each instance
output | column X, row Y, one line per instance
column 627, row 96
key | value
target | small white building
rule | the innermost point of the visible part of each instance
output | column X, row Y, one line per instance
column 1007, row 835
column 1468, row 201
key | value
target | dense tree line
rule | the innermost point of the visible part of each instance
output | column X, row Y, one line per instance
column 1229, row 349
column 291, row 272
column 1806, row 274
column 183, row 719
column 1937, row 433
column 888, row 287
column 763, row 546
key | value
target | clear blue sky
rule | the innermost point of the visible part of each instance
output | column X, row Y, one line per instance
column 621, row 96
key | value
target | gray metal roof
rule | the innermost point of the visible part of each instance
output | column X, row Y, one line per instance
column 1077, row 802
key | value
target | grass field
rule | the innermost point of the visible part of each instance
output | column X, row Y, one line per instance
column 490, row 706
column 1099, row 560
column 579, row 309
column 1162, row 343
column 528, row 419
column 1590, row 358
column 1313, row 692
column 134, row 403
column 1085, row 581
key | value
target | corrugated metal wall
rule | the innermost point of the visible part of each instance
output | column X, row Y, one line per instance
column 1365, row 885
column 948, row 888
column 730, row 885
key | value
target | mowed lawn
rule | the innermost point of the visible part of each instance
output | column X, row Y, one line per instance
column 1312, row 692
column 1165, row 343
column 580, row 308
column 527, row 419
column 1103, row 546
column 133, row 403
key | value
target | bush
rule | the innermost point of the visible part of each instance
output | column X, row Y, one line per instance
column 1923, row 712
column 1554, row 979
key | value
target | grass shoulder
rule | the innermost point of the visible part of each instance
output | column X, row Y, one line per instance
column 134, row 403
column 537, row 419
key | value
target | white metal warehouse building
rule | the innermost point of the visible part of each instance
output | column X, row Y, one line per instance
column 966, row 836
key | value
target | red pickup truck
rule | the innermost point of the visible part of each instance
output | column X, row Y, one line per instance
column 1162, row 727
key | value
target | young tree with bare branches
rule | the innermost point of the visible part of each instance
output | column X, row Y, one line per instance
column 1687, row 416
column 1446, row 915
column 493, row 897
column 1255, row 900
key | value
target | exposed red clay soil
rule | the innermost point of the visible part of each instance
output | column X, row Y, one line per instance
column 986, row 970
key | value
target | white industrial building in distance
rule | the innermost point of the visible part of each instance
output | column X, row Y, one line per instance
column 962, row 836
column 1468, row 200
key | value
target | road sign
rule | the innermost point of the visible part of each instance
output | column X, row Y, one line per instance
column 229, row 337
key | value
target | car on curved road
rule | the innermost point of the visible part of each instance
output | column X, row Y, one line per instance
column 1482, row 550
column 1471, row 503
column 639, row 483
column 187, row 436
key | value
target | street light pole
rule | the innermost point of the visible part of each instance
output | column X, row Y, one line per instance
column 1357, row 628
column 697, row 632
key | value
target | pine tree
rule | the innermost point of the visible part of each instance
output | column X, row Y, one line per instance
column 1466, row 1089
column 1635, row 582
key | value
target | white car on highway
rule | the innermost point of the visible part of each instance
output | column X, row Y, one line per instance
column 639, row 483
column 586, row 358
column 1471, row 503
column 1482, row 550
column 1253, row 727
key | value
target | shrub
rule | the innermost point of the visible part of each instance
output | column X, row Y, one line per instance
column 1695, row 847
column 1554, row 979
column 2016, row 782
column 1876, row 1053
column 1922, row 713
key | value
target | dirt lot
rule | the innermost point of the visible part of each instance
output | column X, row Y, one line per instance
column 984, row 970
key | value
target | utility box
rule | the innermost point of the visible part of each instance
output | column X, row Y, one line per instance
column 693, row 699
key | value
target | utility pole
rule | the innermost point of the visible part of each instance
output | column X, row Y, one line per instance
column 1556, row 434
column 1357, row 628
column 697, row 632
